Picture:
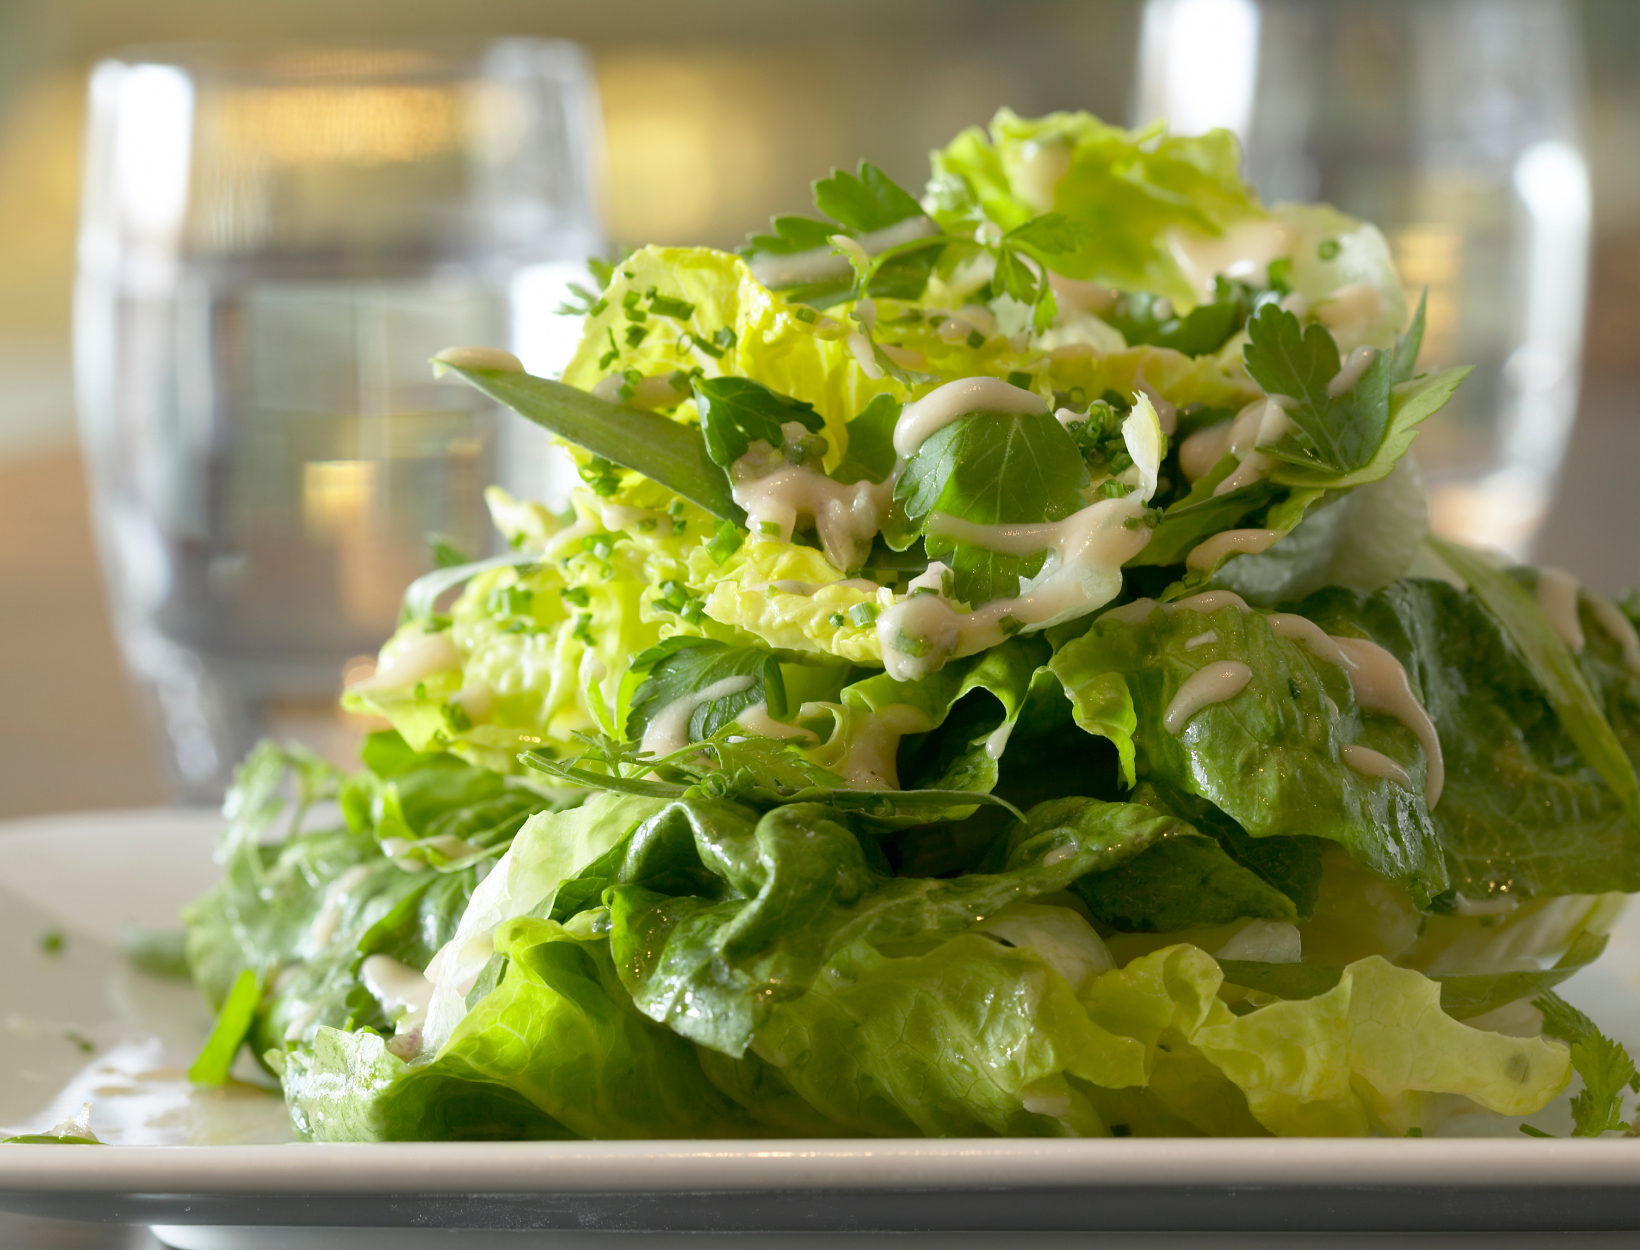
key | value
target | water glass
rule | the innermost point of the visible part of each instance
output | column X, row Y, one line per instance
column 1455, row 125
column 273, row 242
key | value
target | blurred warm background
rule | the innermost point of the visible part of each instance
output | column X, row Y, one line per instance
column 717, row 113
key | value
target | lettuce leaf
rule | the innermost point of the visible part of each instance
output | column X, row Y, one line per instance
column 970, row 1038
column 303, row 912
column 1367, row 1053
column 1127, row 189
column 1269, row 756
column 1523, row 813
column 555, row 1051
column 796, row 885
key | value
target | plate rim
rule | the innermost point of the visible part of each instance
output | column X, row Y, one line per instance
column 856, row 1164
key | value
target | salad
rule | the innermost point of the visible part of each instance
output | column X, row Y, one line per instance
column 993, row 677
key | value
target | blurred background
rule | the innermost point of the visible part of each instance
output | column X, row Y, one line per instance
column 718, row 113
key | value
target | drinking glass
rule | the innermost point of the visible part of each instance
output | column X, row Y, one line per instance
column 273, row 242
column 1454, row 125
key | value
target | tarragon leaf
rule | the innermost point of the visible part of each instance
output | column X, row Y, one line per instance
column 665, row 451
column 734, row 412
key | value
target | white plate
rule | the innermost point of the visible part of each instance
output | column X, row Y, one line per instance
column 200, row 1160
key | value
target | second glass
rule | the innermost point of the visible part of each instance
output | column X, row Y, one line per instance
column 273, row 243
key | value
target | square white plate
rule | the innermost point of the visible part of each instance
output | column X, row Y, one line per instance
column 78, row 1025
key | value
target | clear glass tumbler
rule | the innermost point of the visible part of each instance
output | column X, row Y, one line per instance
column 273, row 242
column 1454, row 125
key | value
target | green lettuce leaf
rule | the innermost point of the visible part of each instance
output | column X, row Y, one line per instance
column 555, row 1051
column 1523, row 811
column 1126, row 189
column 971, row 1038
column 1269, row 756
column 798, row 885
column 1367, row 1053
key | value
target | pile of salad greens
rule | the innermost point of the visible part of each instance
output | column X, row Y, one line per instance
column 993, row 678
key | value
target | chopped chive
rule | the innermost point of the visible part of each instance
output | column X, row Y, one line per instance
column 233, row 1022
column 666, row 306
column 863, row 615
column 725, row 542
column 1020, row 379
column 1328, row 249
column 577, row 595
column 806, row 314
column 976, row 339
column 636, row 335
column 724, row 338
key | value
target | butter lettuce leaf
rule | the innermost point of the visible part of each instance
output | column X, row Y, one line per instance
column 1366, row 1054
column 1524, row 812
column 1127, row 189
column 1269, row 754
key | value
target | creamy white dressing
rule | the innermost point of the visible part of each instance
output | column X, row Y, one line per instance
column 1302, row 629
column 1616, row 623
column 415, row 661
column 302, row 1022
column 668, row 729
column 1208, row 601
column 395, row 985
column 1205, row 448
column 905, row 357
column 1202, row 640
column 846, row 518
column 756, row 719
column 1381, row 686
column 476, row 358
column 1212, row 683
column 329, row 916
column 1082, row 571
column 870, row 762
column 1372, row 763
column 1074, row 295
column 819, row 263
column 1204, row 556
column 1501, row 905
column 1351, row 370
column 1243, row 252
column 1557, row 596
column 1260, row 423
column 1351, row 312
column 860, row 347
column 921, row 418
column 664, row 390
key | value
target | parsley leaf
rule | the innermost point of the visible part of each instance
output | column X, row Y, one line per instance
column 870, row 455
column 991, row 468
column 1337, row 434
column 865, row 202
column 680, row 668
column 735, row 412
column 1604, row 1065
column 792, row 234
